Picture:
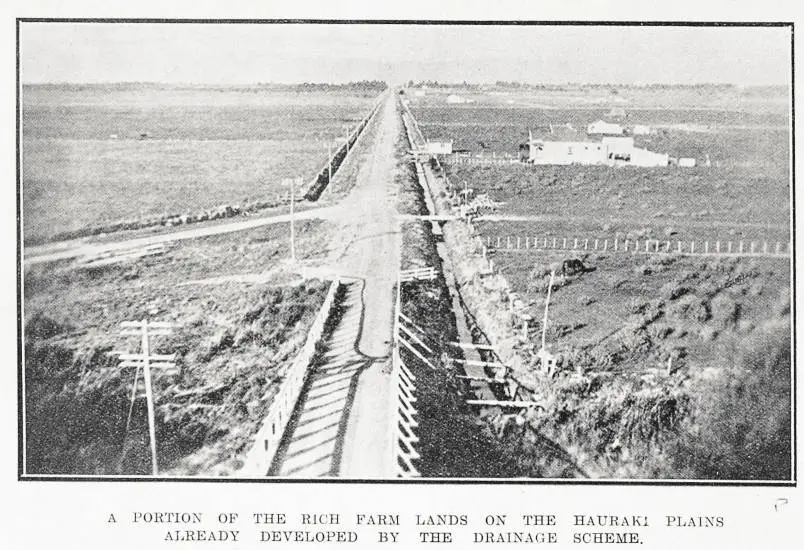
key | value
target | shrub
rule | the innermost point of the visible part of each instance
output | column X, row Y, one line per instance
column 42, row 327
column 741, row 426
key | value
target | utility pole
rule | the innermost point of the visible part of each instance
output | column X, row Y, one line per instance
column 546, row 307
column 147, row 361
column 291, row 182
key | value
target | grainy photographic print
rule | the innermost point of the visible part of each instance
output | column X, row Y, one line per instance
column 420, row 251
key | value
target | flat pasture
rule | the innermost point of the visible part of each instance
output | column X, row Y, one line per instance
column 92, row 155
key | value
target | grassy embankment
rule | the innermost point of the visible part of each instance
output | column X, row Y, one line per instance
column 454, row 440
column 238, row 323
column 611, row 409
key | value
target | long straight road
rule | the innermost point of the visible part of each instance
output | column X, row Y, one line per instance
column 340, row 425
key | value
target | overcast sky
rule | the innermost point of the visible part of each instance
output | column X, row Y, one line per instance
column 241, row 53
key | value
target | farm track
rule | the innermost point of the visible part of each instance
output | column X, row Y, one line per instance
column 75, row 249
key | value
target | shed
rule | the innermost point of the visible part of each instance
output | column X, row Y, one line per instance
column 686, row 162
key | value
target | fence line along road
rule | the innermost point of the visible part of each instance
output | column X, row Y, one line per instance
column 517, row 243
column 266, row 442
column 482, row 160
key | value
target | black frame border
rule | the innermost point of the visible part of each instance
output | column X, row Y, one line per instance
column 22, row 476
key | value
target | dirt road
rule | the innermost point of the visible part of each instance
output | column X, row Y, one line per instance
column 75, row 249
column 340, row 425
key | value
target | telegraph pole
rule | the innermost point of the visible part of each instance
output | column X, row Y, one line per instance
column 146, row 361
column 292, row 223
column 546, row 307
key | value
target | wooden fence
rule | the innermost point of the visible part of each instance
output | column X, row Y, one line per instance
column 511, row 243
column 402, row 410
column 482, row 160
column 266, row 442
column 321, row 180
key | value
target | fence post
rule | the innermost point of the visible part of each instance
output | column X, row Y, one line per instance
column 564, row 243
column 765, row 247
column 706, row 247
column 778, row 247
column 615, row 244
column 508, row 241
column 554, row 242
column 752, row 247
column 679, row 246
column 517, row 242
column 741, row 247
column 692, row 247
column 625, row 248
column 596, row 244
column 498, row 241
column 667, row 246
column 729, row 247
column 575, row 243
column 717, row 247
column 586, row 244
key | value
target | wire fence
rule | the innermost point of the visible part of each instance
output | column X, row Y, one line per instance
column 518, row 243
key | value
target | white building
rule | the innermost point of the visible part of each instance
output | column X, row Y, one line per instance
column 454, row 98
column 601, row 127
column 641, row 130
column 438, row 147
column 686, row 162
column 567, row 152
column 611, row 151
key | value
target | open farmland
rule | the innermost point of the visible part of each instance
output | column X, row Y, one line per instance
column 667, row 366
column 240, row 317
column 743, row 194
column 95, row 155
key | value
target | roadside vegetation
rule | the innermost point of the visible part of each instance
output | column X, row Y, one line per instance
column 239, row 319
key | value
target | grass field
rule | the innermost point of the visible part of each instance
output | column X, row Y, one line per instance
column 744, row 194
column 723, row 325
column 93, row 155
column 239, row 318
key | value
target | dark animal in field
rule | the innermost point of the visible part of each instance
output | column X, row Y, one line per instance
column 572, row 266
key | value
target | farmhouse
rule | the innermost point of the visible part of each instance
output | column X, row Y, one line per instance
column 611, row 151
column 600, row 127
